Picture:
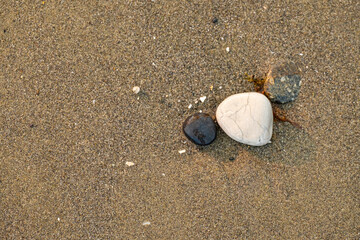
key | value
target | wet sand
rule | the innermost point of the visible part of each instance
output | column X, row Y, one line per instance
column 70, row 121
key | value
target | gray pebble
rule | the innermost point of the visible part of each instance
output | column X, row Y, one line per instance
column 283, row 84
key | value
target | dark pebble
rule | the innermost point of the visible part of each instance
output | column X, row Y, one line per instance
column 215, row 20
column 200, row 128
column 283, row 84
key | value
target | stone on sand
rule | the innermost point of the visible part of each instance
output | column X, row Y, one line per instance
column 200, row 128
column 246, row 118
column 283, row 83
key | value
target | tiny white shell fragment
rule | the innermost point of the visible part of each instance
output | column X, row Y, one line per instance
column 190, row 106
column 182, row 151
column 146, row 223
column 136, row 89
column 202, row 99
column 130, row 164
column 228, row 49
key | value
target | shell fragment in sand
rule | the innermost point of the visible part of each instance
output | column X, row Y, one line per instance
column 136, row 89
column 182, row 151
column 130, row 164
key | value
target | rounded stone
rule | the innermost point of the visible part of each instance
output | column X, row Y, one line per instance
column 246, row 118
column 200, row 128
column 283, row 83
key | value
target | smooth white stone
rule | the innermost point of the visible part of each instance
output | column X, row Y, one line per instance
column 246, row 118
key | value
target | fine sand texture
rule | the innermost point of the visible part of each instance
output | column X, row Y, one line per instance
column 71, row 126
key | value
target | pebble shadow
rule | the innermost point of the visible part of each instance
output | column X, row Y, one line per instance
column 289, row 145
column 224, row 149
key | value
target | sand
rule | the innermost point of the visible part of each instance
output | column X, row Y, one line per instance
column 70, row 120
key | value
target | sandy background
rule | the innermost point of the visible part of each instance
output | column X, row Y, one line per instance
column 69, row 120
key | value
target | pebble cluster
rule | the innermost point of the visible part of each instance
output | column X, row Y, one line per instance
column 247, row 117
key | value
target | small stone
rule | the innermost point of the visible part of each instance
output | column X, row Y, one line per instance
column 246, row 118
column 200, row 128
column 283, row 83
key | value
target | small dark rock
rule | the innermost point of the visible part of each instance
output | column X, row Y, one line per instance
column 215, row 20
column 283, row 84
column 231, row 158
column 200, row 128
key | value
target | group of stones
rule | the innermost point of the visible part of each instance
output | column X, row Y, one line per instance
column 248, row 117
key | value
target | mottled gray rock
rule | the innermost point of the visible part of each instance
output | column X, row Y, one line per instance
column 246, row 118
column 283, row 84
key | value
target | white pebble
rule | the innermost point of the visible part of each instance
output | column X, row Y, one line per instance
column 136, row 89
column 130, row 164
column 228, row 49
column 182, row 151
column 246, row 118
column 146, row 223
column 93, row 101
column 190, row 106
column 202, row 99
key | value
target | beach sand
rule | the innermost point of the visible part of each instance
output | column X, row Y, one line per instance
column 70, row 120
